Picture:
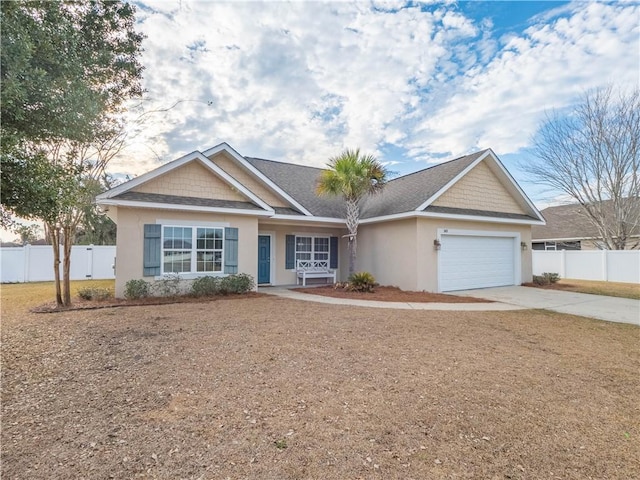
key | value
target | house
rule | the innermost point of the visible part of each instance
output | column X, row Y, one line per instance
column 567, row 228
column 461, row 224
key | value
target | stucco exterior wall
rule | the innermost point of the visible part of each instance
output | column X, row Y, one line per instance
column 479, row 189
column 279, row 274
column 401, row 252
column 389, row 251
column 130, row 239
column 248, row 180
column 191, row 180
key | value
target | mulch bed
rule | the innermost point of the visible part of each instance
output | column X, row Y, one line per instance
column 389, row 294
column 81, row 304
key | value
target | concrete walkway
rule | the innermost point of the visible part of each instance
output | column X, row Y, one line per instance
column 611, row 309
column 307, row 297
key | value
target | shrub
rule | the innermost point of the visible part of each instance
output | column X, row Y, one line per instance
column 546, row 278
column 95, row 293
column 205, row 286
column 551, row 277
column 362, row 282
column 134, row 289
column 240, row 283
column 169, row 286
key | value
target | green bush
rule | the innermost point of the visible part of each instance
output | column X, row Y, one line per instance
column 240, row 283
column 362, row 282
column 135, row 289
column 551, row 277
column 546, row 279
column 169, row 286
column 95, row 293
column 205, row 286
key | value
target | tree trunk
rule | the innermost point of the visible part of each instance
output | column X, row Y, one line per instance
column 54, row 237
column 66, row 267
column 353, row 219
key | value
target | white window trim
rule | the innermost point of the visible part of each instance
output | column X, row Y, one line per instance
column 312, row 252
column 194, row 252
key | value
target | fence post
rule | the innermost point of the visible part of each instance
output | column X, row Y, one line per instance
column 563, row 272
column 605, row 274
column 26, row 251
column 89, row 262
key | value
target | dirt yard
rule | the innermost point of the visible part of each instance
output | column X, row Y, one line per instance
column 269, row 388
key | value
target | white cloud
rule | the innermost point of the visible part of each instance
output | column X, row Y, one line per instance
column 300, row 81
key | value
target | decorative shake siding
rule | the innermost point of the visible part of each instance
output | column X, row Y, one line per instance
column 248, row 180
column 479, row 189
column 191, row 180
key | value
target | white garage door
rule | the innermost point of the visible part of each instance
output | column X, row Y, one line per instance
column 469, row 261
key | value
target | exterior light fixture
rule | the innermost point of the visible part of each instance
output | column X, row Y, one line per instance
column 436, row 244
column 523, row 246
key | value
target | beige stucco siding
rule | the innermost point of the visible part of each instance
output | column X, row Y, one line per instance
column 402, row 253
column 479, row 189
column 192, row 180
column 130, row 239
column 388, row 250
column 279, row 274
column 248, row 180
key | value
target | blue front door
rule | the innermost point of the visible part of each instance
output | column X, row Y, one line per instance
column 264, row 259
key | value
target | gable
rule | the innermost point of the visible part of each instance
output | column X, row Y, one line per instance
column 191, row 180
column 480, row 189
column 249, row 180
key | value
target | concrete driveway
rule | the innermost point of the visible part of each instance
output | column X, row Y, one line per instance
column 611, row 309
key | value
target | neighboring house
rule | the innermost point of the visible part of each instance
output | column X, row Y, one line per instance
column 567, row 228
column 462, row 224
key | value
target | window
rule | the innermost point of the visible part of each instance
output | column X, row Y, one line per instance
column 180, row 256
column 312, row 248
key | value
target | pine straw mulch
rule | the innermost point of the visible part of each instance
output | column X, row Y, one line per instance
column 270, row 388
column 389, row 294
column 82, row 304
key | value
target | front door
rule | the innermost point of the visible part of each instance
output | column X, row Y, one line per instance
column 264, row 259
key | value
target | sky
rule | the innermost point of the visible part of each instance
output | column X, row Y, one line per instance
column 412, row 83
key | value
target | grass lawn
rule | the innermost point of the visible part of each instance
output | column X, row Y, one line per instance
column 270, row 388
column 612, row 289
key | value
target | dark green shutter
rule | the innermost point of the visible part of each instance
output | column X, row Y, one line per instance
column 290, row 253
column 152, row 256
column 333, row 252
column 230, row 250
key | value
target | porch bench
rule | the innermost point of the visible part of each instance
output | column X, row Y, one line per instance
column 313, row 269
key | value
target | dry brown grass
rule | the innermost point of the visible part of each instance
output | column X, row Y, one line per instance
column 269, row 388
column 20, row 297
column 611, row 289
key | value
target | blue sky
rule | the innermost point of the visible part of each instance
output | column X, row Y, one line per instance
column 414, row 83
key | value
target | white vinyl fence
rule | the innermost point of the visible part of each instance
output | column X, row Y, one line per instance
column 35, row 263
column 606, row 265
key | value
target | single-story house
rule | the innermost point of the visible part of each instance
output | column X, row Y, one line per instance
column 568, row 228
column 461, row 224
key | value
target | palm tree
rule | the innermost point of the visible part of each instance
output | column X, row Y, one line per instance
column 353, row 176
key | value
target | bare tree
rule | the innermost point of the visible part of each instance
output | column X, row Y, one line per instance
column 593, row 156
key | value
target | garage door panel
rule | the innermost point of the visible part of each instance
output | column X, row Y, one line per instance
column 469, row 261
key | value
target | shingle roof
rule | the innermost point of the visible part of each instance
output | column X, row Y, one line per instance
column 400, row 195
column 178, row 200
column 567, row 221
column 482, row 213
column 407, row 193
column 299, row 182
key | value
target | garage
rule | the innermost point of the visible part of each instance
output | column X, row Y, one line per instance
column 481, row 260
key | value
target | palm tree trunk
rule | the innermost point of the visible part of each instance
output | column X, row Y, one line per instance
column 352, row 220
